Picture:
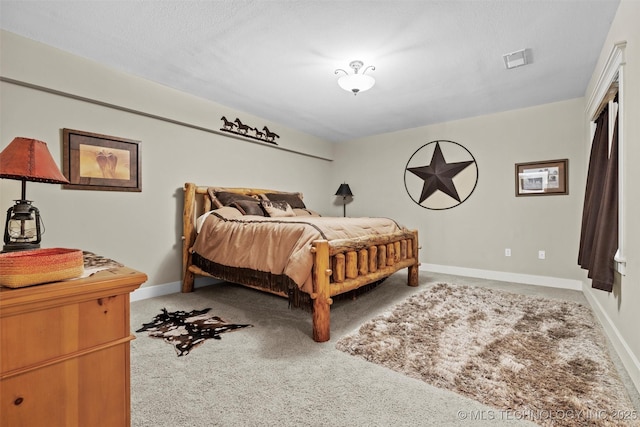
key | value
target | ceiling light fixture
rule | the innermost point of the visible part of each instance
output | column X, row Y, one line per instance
column 356, row 82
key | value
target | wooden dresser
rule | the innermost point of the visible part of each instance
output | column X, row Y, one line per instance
column 64, row 351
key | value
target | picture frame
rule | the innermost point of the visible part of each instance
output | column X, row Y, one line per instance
column 92, row 161
column 543, row 178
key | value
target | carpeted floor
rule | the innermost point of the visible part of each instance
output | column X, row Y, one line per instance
column 273, row 374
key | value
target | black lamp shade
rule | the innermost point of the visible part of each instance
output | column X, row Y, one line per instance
column 344, row 190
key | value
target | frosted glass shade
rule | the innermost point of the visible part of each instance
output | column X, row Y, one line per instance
column 356, row 82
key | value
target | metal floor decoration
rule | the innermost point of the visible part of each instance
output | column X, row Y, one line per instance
column 186, row 330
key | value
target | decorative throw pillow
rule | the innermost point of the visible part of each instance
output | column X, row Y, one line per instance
column 248, row 207
column 277, row 209
column 293, row 199
column 305, row 212
column 229, row 212
column 220, row 198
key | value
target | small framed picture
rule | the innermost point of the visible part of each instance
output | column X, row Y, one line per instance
column 542, row 178
column 100, row 162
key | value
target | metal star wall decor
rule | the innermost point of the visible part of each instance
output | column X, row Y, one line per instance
column 441, row 184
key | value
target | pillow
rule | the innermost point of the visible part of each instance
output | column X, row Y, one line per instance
column 305, row 212
column 277, row 209
column 220, row 198
column 225, row 212
column 293, row 199
column 229, row 212
column 248, row 207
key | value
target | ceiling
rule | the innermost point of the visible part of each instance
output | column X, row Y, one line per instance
column 435, row 61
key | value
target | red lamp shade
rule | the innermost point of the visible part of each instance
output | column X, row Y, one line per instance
column 28, row 159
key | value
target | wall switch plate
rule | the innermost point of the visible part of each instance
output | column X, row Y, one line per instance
column 542, row 255
column 507, row 252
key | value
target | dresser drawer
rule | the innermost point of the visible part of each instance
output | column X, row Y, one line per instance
column 91, row 390
column 31, row 338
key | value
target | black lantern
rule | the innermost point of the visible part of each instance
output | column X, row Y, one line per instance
column 22, row 229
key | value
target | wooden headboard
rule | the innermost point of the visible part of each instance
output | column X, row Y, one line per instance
column 197, row 202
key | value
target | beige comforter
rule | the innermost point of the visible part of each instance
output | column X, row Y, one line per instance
column 279, row 245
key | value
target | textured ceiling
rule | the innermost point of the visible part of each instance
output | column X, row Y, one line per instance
column 434, row 61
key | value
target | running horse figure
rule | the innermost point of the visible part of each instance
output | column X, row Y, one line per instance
column 227, row 124
column 270, row 135
column 242, row 128
column 259, row 135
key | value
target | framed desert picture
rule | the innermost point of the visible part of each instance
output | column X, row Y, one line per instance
column 542, row 178
column 91, row 161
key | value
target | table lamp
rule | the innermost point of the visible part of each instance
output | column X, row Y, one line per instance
column 26, row 159
column 345, row 192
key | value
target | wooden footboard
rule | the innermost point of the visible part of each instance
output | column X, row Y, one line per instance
column 339, row 266
column 344, row 265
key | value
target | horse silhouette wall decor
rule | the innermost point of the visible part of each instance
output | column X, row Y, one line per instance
column 237, row 127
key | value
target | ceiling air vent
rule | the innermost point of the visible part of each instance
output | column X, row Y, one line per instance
column 515, row 59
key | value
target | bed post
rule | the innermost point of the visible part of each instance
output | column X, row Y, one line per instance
column 188, row 237
column 321, row 293
column 412, row 279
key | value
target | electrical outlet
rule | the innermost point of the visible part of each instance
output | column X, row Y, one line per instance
column 507, row 252
column 542, row 255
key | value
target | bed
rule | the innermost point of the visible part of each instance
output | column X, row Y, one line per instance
column 225, row 237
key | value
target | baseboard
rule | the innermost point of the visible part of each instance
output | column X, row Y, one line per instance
column 629, row 360
column 155, row 291
column 554, row 282
column 503, row 276
column 167, row 288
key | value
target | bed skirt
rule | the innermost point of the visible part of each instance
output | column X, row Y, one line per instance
column 276, row 283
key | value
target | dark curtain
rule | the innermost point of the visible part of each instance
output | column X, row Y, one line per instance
column 599, row 235
column 593, row 192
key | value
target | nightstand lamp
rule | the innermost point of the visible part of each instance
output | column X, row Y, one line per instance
column 345, row 192
column 26, row 159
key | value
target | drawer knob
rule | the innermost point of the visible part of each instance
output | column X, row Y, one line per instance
column 18, row 401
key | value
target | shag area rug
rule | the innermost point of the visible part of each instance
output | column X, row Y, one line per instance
column 185, row 330
column 532, row 358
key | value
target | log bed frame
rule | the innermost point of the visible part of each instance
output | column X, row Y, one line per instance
column 339, row 266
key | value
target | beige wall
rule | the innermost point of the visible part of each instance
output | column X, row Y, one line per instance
column 475, row 234
column 142, row 230
column 619, row 310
